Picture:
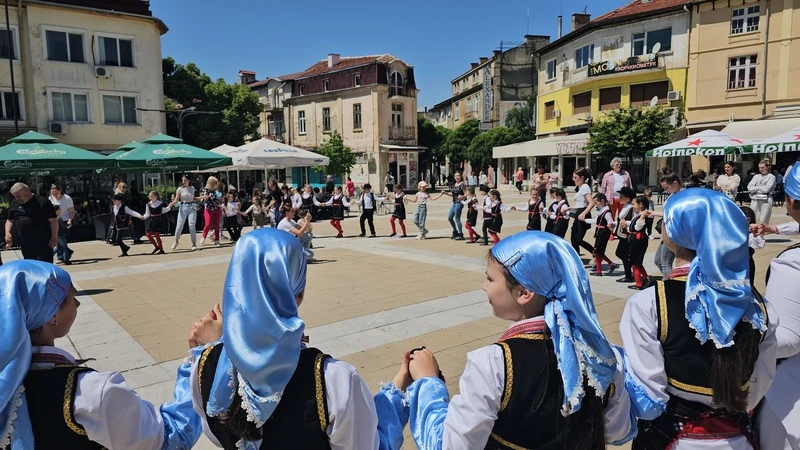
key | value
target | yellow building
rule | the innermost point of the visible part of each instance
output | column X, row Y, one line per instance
column 82, row 69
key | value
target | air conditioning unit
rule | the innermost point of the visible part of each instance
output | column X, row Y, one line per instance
column 674, row 96
column 556, row 113
column 102, row 72
column 58, row 128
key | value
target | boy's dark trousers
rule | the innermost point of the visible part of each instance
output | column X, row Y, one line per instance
column 367, row 215
column 623, row 253
column 486, row 224
column 117, row 239
column 232, row 225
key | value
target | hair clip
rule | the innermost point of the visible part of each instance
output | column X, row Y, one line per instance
column 513, row 259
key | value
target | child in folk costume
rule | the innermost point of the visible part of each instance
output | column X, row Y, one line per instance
column 621, row 231
column 158, row 221
column 558, row 213
column 368, row 204
column 230, row 210
column 120, row 221
column 297, row 199
column 756, row 241
column 309, row 202
column 421, row 199
column 700, row 347
column 535, row 209
column 258, row 211
column 494, row 224
column 338, row 203
column 544, row 383
column 471, row 202
column 255, row 384
column 637, row 242
column 399, row 212
column 49, row 400
column 604, row 223
column 548, row 227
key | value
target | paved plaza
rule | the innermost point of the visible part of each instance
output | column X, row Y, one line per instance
column 367, row 300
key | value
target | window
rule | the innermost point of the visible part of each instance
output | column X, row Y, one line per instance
column 119, row 110
column 397, row 115
column 610, row 98
column 301, row 122
column 582, row 103
column 549, row 110
column 469, row 105
column 326, row 119
column 6, row 47
column 357, row 79
column 458, row 111
column 115, row 52
column 551, row 69
column 8, row 103
column 357, row 116
column 745, row 20
column 69, row 107
column 397, row 84
column 644, row 43
column 642, row 94
column 584, row 56
column 64, row 46
column 742, row 72
column 302, row 89
column 326, row 85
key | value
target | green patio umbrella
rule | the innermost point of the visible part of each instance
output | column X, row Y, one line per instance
column 36, row 153
column 162, row 153
column 125, row 148
column 784, row 142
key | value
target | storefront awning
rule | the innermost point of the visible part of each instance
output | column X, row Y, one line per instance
column 761, row 129
column 551, row 146
column 402, row 148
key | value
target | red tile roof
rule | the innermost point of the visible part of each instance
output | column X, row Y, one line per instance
column 346, row 62
column 259, row 83
column 641, row 7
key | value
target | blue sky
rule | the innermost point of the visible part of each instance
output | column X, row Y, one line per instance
column 439, row 37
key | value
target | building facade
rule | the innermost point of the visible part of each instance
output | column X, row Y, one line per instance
column 372, row 102
column 82, row 71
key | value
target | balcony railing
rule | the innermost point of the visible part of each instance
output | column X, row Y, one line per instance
column 402, row 133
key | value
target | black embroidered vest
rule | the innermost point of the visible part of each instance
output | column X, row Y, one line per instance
column 301, row 418
column 51, row 406
column 530, row 409
column 122, row 219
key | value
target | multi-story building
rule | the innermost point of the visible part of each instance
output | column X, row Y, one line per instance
column 371, row 101
column 82, row 71
column 272, row 92
column 636, row 55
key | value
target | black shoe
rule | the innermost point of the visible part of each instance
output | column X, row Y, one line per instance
column 612, row 268
column 636, row 288
column 67, row 263
column 123, row 254
column 484, row 244
column 454, row 235
column 626, row 280
column 393, row 235
column 161, row 252
column 596, row 274
column 460, row 237
column 362, row 234
column 373, row 235
column 137, row 242
column 155, row 250
column 71, row 251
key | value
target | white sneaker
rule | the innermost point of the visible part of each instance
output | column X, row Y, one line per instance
column 216, row 243
column 202, row 241
column 174, row 245
column 194, row 247
column 419, row 236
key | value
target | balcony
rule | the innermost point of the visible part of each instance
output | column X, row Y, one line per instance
column 402, row 133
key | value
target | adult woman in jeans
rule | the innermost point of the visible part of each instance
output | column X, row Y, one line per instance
column 211, row 210
column 454, row 216
column 582, row 206
column 664, row 258
column 65, row 209
column 185, row 196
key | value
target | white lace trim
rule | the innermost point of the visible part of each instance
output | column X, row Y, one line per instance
column 694, row 295
column 16, row 402
column 248, row 396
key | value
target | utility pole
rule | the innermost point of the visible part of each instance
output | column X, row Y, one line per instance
column 180, row 114
column 10, row 38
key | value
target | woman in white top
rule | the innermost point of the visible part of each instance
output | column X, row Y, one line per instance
column 728, row 183
column 185, row 196
column 65, row 209
column 582, row 207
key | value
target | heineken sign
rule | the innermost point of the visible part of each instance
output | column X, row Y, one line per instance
column 778, row 147
column 670, row 152
column 623, row 65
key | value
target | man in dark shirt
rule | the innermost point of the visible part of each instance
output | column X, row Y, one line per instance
column 35, row 220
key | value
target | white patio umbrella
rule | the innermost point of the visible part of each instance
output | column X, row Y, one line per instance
column 704, row 143
column 268, row 154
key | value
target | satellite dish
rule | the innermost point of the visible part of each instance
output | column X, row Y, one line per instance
column 654, row 101
column 611, row 64
column 656, row 48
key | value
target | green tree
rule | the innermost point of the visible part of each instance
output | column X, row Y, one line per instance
column 341, row 157
column 433, row 138
column 630, row 132
column 479, row 152
column 456, row 144
column 521, row 119
column 238, row 106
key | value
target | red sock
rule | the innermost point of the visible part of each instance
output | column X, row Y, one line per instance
column 471, row 232
column 149, row 235
column 391, row 221
column 158, row 239
column 598, row 263
column 639, row 275
column 495, row 239
column 402, row 226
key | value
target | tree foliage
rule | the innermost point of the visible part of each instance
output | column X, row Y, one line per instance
column 630, row 132
column 479, row 152
column 522, row 119
column 341, row 157
column 433, row 137
column 238, row 106
column 456, row 144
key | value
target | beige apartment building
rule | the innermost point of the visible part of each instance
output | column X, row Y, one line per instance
column 371, row 101
column 82, row 69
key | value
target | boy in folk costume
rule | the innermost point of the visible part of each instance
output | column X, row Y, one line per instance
column 535, row 210
column 637, row 242
column 121, row 221
column 604, row 223
column 338, row 203
column 368, row 206
column 49, row 400
column 621, row 230
column 557, row 213
column 700, row 345
column 543, row 384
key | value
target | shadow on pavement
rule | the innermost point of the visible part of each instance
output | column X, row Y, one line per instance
column 91, row 292
column 80, row 262
column 322, row 261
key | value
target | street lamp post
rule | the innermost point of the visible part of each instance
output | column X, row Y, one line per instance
column 180, row 114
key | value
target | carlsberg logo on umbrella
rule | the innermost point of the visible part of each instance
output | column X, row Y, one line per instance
column 18, row 164
column 41, row 152
column 668, row 152
column 171, row 152
column 157, row 162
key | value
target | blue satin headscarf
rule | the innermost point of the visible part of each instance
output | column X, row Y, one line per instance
column 31, row 292
column 718, row 291
column 261, row 330
column 548, row 265
column 791, row 182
